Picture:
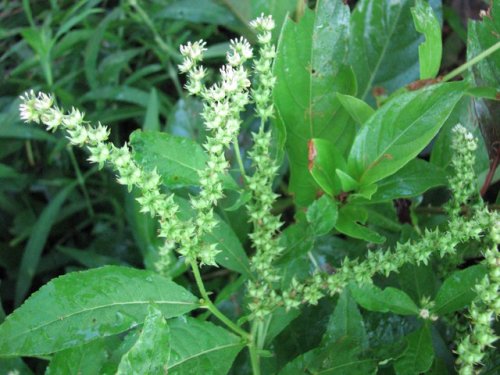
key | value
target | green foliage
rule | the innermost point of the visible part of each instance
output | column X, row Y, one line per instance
column 372, row 247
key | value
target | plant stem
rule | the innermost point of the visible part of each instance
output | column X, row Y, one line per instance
column 253, row 349
column 238, row 158
column 81, row 181
column 211, row 307
column 471, row 62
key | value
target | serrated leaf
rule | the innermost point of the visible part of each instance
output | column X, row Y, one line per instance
column 413, row 179
column 418, row 356
column 457, row 290
column 389, row 299
column 199, row 347
column 311, row 68
column 83, row 306
column 151, row 352
column 430, row 51
column 322, row 215
column 383, row 43
column 176, row 159
column 350, row 222
column 400, row 130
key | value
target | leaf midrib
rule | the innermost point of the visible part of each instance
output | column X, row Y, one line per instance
column 382, row 55
column 203, row 352
column 95, row 308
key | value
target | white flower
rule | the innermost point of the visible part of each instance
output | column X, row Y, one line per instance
column 43, row 102
column 263, row 23
column 194, row 51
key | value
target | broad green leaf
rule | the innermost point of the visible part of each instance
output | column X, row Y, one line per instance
column 83, row 306
column 399, row 130
column 323, row 160
column 232, row 255
column 199, row 347
column 418, row 356
column 413, row 179
column 151, row 352
column 457, row 290
column 389, row 299
column 279, row 320
column 176, row 159
column 36, row 242
column 418, row 281
column 359, row 110
column 346, row 324
column 151, row 120
column 430, row 51
column 185, row 120
column 350, row 222
column 383, row 45
column 322, row 215
column 347, row 182
column 311, row 68
column 86, row 359
column 481, row 36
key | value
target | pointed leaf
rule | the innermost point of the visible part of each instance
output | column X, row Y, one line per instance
column 322, row 215
column 350, row 222
column 399, row 130
column 311, row 68
column 151, row 352
column 413, row 179
column 82, row 306
column 324, row 159
column 430, row 51
column 199, row 347
column 418, row 356
column 359, row 110
column 389, row 299
column 457, row 290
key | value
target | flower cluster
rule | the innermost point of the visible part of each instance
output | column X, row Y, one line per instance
column 462, row 182
column 223, row 103
column 484, row 309
column 40, row 108
column 267, row 249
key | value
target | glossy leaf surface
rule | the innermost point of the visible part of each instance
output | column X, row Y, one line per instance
column 323, row 160
column 199, row 347
column 399, row 130
column 350, row 222
column 322, row 215
column 430, row 51
column 310, row 69
column 457, row 290
column 419, row 354
column 389, row 299
column 83, row 306
column 151, row 352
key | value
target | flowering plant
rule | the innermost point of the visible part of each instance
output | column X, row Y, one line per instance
column 347, row 251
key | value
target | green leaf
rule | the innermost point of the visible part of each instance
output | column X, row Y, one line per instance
column 457, row 290
column 430, row 51
column 399, row 130
column 349, row 222
column 418, row 281
column 176, row 159
column 36, row 242
column 232, row 255
column 346, row 324
column 324, row 159
column 83, row 306
column 311, row 68
column 357, row 108
column 151, row 352
column 347, row 182
column 413, row 179
column 151, row 120
column 199, row 347
column 383, row 46
column 418, row 356
column 390, row 299
column 322, row 215
column 86, row 359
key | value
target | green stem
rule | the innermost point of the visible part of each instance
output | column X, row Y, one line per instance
column 81, row 181
column 211, row 307
column 238, row 158
column 253, row 349
column 471, row 62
